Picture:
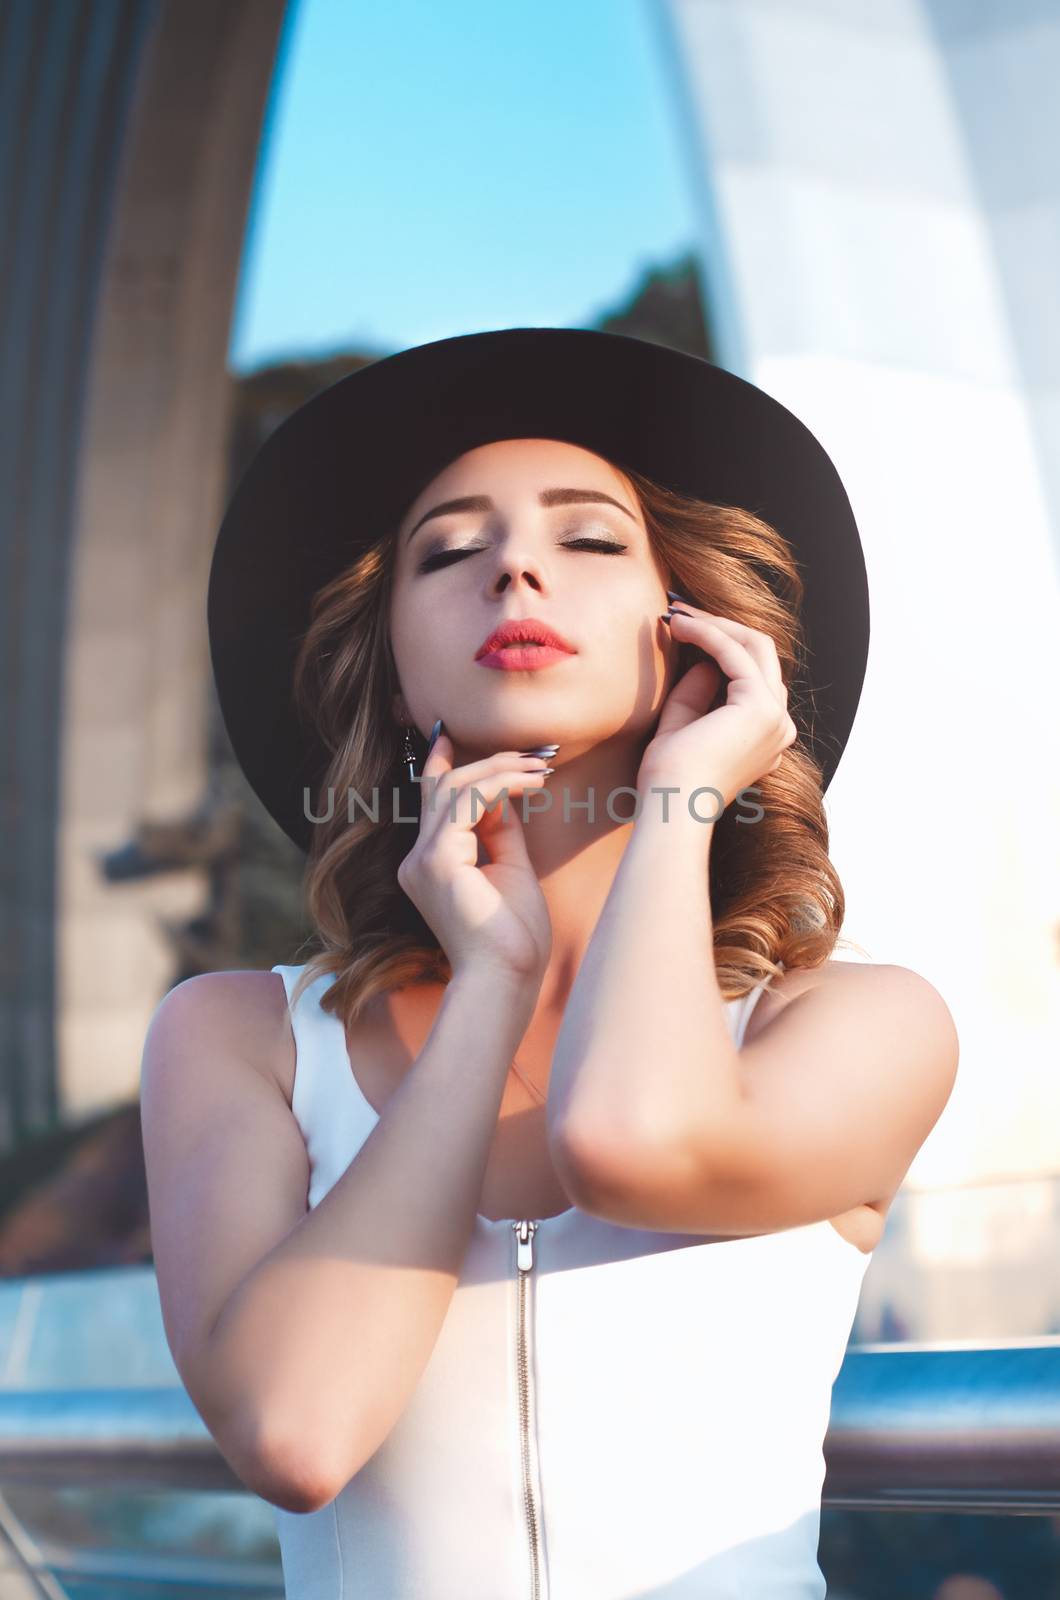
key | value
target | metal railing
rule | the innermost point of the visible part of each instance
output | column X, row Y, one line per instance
column 960, row 1427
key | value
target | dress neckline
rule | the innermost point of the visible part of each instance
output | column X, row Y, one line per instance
column 365, row 1104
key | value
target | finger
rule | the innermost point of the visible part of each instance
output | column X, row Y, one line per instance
column 504, row 837
column 733, row 657
column 764, row 650
column 460, row 800
column 439, row 776
column 760, row 645
column 466, row 805
column 437, row 766
column 440, row 761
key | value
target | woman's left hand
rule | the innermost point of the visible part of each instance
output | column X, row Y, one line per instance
column 730, row 748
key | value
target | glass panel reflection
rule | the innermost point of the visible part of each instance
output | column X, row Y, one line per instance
column 103, row 1543
column 971, row 1262
column 888, row 1555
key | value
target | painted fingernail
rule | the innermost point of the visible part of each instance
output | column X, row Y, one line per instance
column 541, row 750
column 671, row 594
column 435, row 731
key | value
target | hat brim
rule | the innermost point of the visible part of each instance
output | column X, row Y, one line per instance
column 343, row 469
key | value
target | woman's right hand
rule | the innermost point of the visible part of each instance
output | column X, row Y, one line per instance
column 496, row 914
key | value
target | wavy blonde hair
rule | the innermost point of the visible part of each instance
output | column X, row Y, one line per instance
column 775, row 895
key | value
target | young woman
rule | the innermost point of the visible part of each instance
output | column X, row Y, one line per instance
column 510, row 1245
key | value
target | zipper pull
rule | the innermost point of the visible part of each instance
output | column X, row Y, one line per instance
column 524, row 1244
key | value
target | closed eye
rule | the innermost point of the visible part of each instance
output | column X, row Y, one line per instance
column 445, row 558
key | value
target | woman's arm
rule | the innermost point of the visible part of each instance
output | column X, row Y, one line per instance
column 655, row 1119
column 301, row 1334
column 644, row 1051
column 658, row 1121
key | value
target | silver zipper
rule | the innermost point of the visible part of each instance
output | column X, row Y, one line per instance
column 524, row 1260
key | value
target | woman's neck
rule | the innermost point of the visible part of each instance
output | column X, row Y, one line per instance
column 575, row 847
column 575, row 892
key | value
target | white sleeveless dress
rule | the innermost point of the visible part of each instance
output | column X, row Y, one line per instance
column 609, row 1413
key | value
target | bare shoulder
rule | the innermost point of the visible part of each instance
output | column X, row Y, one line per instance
column 245, row 1011
column 870, row 998
column 867, row 997
column 861, row 984
column 219, row 1142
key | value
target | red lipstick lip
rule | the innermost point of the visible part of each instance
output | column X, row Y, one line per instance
column 523, row 630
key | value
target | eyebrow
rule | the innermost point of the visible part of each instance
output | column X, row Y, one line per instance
column 547, row 497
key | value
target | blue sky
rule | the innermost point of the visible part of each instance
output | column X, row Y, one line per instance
column 435, row 166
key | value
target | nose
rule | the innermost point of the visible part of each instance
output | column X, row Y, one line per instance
column 515, row 565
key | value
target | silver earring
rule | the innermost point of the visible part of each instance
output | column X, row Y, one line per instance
column 408, row 754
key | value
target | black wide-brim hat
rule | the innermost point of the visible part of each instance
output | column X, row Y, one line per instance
column 344, row 468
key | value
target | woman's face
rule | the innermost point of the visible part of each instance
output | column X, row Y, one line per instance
column 541, row 529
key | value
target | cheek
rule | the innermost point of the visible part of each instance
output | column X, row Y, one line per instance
column 646, row 667
column 419, row 635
